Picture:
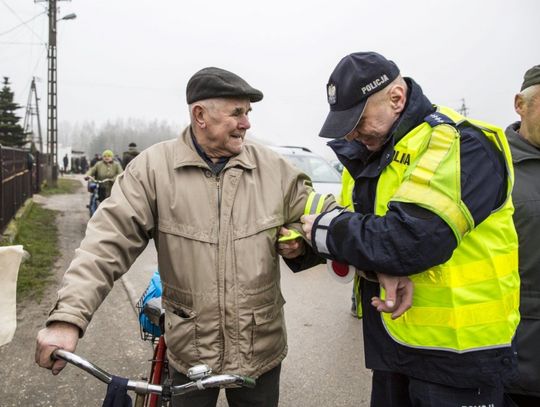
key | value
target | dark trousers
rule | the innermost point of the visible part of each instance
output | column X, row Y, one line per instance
column 397, row 390
column 264, row 394
column 522, row 400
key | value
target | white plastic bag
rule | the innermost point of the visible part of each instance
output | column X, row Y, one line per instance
column 10, row 260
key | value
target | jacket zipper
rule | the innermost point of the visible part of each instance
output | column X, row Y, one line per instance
column 222, row 332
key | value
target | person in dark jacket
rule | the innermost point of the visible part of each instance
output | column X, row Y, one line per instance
column 129, row 155
column 430, row 200
column 524, row 139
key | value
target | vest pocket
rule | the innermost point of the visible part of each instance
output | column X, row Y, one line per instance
column 269, row 337
column 181, row 334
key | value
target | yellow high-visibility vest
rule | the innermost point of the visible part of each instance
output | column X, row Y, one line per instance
column 471, row 302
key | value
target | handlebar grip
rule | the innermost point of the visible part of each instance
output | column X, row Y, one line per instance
column 249, row 382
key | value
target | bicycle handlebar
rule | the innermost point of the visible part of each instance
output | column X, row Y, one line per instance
column 100, row 181
column 143, row 387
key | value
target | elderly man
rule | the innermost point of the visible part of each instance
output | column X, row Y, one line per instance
column 214, row 204
column 524, row 139
column 431, row 199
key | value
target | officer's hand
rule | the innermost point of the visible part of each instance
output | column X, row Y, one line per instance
column 399, row 295
column 307, row 224
column 58, row 335
column 291, row 248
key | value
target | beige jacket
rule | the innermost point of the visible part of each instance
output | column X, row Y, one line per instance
column 216, row 239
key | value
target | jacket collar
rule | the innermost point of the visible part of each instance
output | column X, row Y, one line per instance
column 521, row 149
column 185, row 154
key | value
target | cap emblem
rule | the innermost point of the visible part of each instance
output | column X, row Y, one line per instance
column 331, row 90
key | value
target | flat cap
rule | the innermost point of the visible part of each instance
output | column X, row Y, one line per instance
column 532, row 77
column 213, row 82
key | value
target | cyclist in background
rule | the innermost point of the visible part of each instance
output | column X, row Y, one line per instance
column 107, row 168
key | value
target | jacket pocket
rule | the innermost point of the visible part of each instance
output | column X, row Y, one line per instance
column 269, row 336
column 181, row 334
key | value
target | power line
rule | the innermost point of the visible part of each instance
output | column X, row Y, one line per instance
column 21, row 43
column 20, row 19
column 21, row 24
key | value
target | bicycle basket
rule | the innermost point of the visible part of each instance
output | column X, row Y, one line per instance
column 149, row 331
column 91, row 186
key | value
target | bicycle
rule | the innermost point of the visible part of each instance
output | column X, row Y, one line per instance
column 94, row 187
column 200, row 376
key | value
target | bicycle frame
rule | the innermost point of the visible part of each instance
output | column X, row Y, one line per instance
column 94, row 197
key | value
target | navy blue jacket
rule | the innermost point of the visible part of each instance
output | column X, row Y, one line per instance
column 410, row 239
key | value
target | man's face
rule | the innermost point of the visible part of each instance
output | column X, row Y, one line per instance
column 226, row 126
column 375, row 124
column 530, row 118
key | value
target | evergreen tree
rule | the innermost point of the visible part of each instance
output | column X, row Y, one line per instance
column 11, row 132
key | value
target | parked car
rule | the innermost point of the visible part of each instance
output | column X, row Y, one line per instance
column 326, row 179
column 337, row 165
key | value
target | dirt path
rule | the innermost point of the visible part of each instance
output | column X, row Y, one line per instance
column 112, row 340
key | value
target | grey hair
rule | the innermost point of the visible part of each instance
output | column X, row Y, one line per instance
column 530, row 93
column 208, row 104
column 398, row 81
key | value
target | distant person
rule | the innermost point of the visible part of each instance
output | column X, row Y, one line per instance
column 524, row 139
column 77, row 165
column 106, row 169
column 65, row 161
column 95, row 160
column 118, row 160
column 84, row 164
column 130, row 154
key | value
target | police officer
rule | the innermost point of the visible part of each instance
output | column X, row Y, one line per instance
column 431, row 196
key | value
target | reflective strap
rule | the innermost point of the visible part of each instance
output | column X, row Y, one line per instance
column 322, row 230
column 293, row 234
column 416, row 189
column 314, row 203
column 320, row 241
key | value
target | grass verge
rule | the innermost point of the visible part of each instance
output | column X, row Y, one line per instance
column 64, row 186
column 38, row 233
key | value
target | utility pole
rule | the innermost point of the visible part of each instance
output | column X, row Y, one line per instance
column 32, row 109
column 52, row 116
column 463, row 110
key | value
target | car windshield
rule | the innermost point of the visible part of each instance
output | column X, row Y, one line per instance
column 318, row 169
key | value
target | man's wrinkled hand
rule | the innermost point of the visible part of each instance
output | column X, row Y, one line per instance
column 399, row 295
column 58, row 335
column 291, row 248
column 307, row 224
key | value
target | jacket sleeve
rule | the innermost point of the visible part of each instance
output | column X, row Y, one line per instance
column 115, row 236
column 92, row 172
column 409, row 239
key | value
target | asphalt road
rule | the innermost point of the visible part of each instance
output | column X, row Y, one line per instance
column 324, row 367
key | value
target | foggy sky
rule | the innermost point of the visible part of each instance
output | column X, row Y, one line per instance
column 122, row 59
